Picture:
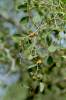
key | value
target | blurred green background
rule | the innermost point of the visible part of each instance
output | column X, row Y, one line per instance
column 32, row 49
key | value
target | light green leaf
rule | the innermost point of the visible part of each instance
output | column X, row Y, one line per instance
column 36, row 18
column 41, row 87
column 52, row 48
column 64, row 57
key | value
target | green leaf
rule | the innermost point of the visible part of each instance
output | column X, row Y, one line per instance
column 50, row 60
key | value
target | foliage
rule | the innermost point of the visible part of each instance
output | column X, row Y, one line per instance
column 33, row 42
